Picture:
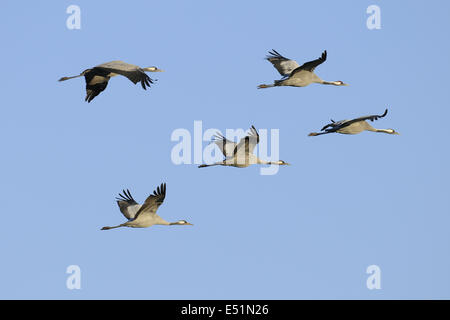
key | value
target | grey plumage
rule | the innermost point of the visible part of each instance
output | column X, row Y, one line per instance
column 354, row 126
column 301, row 76
column 97, row 78
column 143, row 216
column 127, row 205
column 240, row 154
column 283, row 65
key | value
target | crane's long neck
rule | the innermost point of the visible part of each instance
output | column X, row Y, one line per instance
column 165, row 223
column 383, row 130
column 334, row 83
column 259, row 161
column 180, row 223
column 151, row 69
column 174, row 223
column 267, row 162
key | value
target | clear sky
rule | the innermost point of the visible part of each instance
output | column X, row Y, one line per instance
column 310, row 231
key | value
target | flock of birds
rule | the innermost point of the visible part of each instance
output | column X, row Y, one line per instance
column 236, row 154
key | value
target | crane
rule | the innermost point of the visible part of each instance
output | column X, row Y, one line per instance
column 295, row 75
column 240, row 155
column 143, row 216
column 97, row 77
column 354, row 126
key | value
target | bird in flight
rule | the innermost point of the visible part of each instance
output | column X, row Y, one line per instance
column 97, row 78
column 143, row 216
column 240, row 154
column 354, row 126
column 295, row 75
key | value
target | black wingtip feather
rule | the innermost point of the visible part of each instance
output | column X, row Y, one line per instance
column 125, row 196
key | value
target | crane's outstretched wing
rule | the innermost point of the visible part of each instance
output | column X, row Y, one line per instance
column 153, row 201
column 344, row 123
column 284, row 65
column 132, row 72
column 127, row 205
column 311, row 65
column 247, row 144
column 225, row 145
column 96, row 82
column 371, row 118
column 334, row 124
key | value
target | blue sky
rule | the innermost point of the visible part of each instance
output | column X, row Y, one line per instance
column 309, row 231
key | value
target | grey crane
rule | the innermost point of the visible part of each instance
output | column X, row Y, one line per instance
column 143, row 216
column 295, row 75
column 240, row 155
column 97, row 77
column 354, row 126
